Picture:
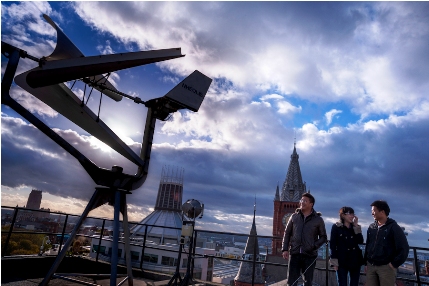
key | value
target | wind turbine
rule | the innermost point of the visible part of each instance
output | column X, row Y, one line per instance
column 47, row 83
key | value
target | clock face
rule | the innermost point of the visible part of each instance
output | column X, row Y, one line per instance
column 286, row 218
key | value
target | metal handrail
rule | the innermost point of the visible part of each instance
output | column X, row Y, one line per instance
column 194, row 254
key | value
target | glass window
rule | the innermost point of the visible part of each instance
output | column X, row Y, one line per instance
column 152, row 258
column 197, row 275
column 102, row 249
column 135, row 255
column 168, row 261
column 110, row 252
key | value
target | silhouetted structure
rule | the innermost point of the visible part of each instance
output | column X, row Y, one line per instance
column 34, row 200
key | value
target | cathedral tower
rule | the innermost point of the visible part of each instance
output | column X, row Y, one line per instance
column 170, row 190
column 286, row 203
column 168, row 209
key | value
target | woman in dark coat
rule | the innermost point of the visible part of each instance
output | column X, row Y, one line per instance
column 346, row 256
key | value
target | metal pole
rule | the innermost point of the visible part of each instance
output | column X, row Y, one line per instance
column 416, row 267
column 6, row 82
column 327, row 263
column 143, row 248
column 63, row 251
column 115, row 242
column 62, row 234
column 99, row 240
column 9, row 73
column 9, row 234
column 127, row 240
column 193, row 251
column 176, row 276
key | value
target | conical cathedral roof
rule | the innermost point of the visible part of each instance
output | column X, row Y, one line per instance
column 293, row 186
column 277, row 196
column 245, row 271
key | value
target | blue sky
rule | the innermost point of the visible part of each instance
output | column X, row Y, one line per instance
column 348, row 79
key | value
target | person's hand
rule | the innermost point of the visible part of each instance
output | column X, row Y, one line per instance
column 355, row 221
column 336, row 268
column 393, row 267
column 285, row 254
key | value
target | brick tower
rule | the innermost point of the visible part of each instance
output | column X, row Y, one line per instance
column 286, row 203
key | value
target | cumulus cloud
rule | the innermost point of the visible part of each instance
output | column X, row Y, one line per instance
column 285, row 107
column 331, row 114
column 106, row 49
column 367, row 80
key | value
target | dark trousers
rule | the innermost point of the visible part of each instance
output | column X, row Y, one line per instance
column 342, row 274
column 300, row 263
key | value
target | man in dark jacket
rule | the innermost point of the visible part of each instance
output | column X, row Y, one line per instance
column 304, row 234
column 386, row 247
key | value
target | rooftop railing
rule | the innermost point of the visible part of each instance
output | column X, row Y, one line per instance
column 27, row 232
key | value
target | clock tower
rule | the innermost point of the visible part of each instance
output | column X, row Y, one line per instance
column 287, row 202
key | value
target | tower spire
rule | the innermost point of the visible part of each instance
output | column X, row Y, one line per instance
column 293, row 186
column 245, row 272
column 254, row 210
column 277, row 196
column 294, row 139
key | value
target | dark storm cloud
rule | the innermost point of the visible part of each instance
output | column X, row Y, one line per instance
column 30, row 158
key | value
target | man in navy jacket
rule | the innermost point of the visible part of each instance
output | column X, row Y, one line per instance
column 386, row 247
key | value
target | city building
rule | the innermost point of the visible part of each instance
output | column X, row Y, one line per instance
column 29, row 215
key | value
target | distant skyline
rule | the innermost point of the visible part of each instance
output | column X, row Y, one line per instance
column 348, row 78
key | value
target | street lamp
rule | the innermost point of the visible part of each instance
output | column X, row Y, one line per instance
column 45, row 240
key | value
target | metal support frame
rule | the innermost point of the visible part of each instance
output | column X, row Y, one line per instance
column 100, row 197
column 143, row 248
column 99, row 240
column 188, row 278
column 108, row 178
column 63, row 233
column 177, row 280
